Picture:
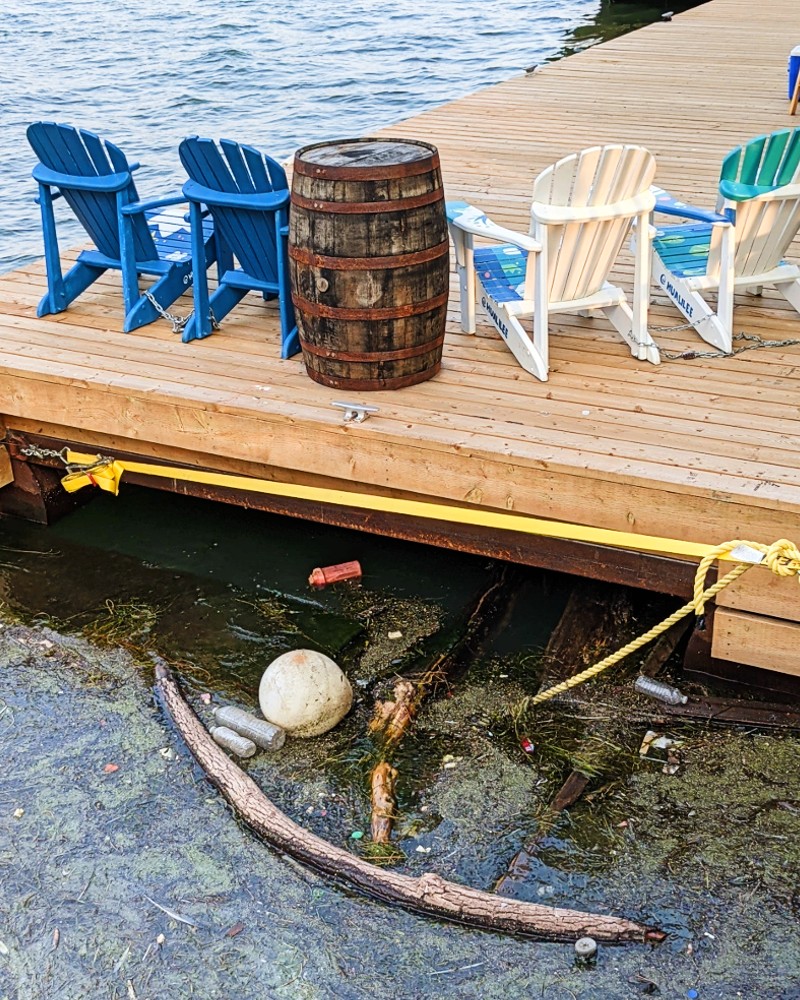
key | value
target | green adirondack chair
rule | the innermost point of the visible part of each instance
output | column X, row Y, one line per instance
column 135, row 237
column 740, row 247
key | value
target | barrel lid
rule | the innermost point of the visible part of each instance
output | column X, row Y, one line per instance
column 366, row 159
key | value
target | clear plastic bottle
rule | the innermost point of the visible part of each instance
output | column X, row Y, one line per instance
column 660, row 691
column 264, row 734
column 232, row 741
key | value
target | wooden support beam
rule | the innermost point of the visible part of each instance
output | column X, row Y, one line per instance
column 700, row 664
column 6, row 475
column 761, row 592
column 632, row 569
column 757, row 641
column 35, row 493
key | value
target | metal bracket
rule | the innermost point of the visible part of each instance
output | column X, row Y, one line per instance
column 356, row 412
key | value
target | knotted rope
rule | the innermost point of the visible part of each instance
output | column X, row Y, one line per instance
column 782, row 557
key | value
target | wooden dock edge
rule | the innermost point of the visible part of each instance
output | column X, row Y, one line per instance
column 659, row 574
column 734, row 641
column 757, row 640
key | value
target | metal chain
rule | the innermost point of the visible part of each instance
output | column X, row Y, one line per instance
column 754, row 342
column 31, row 451
column 681, row 326
column 178, row 322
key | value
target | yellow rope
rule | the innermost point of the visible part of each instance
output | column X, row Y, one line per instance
column 782, row 557
column 106, row 474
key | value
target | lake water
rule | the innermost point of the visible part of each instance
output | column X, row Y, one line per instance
column 276, row 74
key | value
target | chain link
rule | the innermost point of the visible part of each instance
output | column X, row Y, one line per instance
column 754, row 342
column 32, row 451
column 178, row 322
column 681, row 326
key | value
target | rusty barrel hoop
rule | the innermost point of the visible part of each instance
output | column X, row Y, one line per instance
column 369, row 261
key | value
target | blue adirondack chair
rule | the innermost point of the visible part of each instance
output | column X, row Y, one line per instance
column 247, row 196
column 132, row 236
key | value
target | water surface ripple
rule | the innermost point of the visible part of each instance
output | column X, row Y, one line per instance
column 277, row 74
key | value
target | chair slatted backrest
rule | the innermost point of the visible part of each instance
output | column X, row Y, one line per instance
column 80, row 153
column 237, row 169
column 580, row 254
column 764, row 227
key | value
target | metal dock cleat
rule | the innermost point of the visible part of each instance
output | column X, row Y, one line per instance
column 356, row 412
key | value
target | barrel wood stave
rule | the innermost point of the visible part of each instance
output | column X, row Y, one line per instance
column 369, row 262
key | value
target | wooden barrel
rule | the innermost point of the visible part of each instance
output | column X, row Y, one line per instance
column 369, row 262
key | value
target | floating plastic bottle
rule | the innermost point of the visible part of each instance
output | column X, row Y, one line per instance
column 264, row 734
column 323, row 575
column 232, row 741
column 662, row 692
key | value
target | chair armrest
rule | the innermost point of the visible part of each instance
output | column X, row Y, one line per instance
column 735, row 191
column 667, row 205
column 472, row 220
column 267, row 202
column 561, row 215
column 136, row 207
column 103, row 183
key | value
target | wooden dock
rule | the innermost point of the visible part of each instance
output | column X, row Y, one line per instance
column 703, row 450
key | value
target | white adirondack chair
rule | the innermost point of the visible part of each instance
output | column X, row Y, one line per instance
column 741, row 245
column 582, row 211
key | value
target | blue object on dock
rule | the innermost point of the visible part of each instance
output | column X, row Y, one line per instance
column 132, row 236
column 247, row 194
column 794, row 69
column 741, row 246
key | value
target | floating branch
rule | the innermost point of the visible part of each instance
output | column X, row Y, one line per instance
column 392, row 719
column 430, row 894
column 383, row 802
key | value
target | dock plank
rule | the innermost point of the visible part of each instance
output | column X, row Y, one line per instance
column 701, row 450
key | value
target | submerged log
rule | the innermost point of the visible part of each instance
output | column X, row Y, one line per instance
column 588, row 626
column 663, row 648
column 393, row 718
column 429, row 894
column 519, row 866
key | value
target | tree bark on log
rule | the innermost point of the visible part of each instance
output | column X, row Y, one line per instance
column 430, row 894
column 384, row 805
column 588, row 625
column 392, row 719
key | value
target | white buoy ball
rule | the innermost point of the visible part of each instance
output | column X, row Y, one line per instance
column 305, row 693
